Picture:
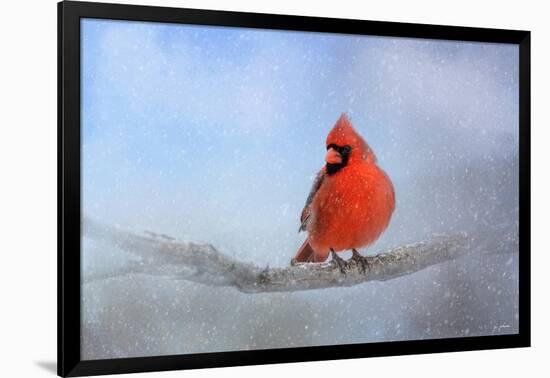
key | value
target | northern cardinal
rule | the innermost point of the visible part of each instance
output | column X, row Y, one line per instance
column 351, row 201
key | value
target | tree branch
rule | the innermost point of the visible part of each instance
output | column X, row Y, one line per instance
column 202, row 263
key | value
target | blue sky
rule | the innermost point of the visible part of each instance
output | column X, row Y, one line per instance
column 215, row 133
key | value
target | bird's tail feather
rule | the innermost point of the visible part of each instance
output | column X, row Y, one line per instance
column 305, row 253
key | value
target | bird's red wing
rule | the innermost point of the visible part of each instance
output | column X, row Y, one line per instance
column 306, row 212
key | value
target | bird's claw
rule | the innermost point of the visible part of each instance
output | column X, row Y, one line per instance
column 361, row 261
column 340, row 262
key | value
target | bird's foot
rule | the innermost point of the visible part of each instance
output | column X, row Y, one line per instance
column 361, row 261
column 338, row 261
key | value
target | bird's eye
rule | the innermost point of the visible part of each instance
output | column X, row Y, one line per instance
column 346, row 149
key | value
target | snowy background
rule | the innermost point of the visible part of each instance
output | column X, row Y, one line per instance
column 215, row 134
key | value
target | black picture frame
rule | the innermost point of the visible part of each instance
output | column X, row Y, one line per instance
column 69, row 215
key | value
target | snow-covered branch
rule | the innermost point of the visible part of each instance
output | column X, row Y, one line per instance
column 203, row 263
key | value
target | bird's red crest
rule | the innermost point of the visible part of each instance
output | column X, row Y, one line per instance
column 343, row 134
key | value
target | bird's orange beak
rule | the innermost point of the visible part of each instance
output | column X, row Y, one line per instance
column 333, row 156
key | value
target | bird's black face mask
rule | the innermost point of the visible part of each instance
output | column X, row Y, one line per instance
column 344, row 152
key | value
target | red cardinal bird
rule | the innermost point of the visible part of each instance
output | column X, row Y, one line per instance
column 351, row 201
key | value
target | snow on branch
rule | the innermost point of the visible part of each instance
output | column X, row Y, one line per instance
column 203, row 263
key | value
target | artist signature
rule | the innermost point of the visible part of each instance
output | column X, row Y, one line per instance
column 499, row 328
